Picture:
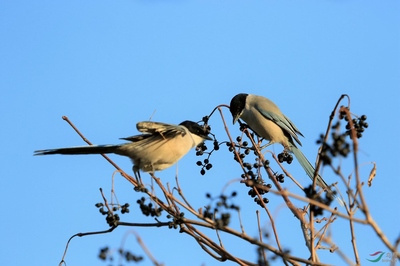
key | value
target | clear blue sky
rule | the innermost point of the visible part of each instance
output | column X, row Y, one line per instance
column 109, row 64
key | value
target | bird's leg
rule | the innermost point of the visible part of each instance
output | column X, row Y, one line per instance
column 136, row 171
column 266, row 145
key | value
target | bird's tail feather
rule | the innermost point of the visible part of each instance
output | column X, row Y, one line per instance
column 309, row 169
column 98, row 149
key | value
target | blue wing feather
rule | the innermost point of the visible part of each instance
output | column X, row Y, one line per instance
column 283, row 122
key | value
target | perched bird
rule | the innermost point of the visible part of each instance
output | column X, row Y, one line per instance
column 268, row 122
column 159, row 147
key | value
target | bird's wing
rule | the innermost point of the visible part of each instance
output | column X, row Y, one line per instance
column 283, row 122
column 137, row 138
column 154, row 129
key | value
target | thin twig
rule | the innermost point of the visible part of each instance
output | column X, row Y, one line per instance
column 261, row 236
column 128, row 177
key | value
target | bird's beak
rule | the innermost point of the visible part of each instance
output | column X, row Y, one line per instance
column 208, row 138
column 235, row 119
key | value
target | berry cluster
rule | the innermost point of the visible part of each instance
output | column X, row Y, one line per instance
column 262, row 188
column 105, row 254
column 247, row 166
column 340, row 147
column 140, row 187
column 205, row 119
column 216, row 145
column 258, row 201
column 200, row 150
column 251, row 176
column 217, row 213
column 359, row 124
column 129, row 256
column 285, row 157
column 241, row 144
column 280, row 178
column 206, row 165
column 175, row 220
column 312, row 194
column 148, row 209
column 244, row 127
column 112, row 218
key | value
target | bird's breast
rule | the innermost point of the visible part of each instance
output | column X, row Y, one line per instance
column 264, row 127
column 159, row 153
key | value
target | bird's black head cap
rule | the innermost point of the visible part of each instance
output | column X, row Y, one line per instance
column 196, row 129
column 237, row 105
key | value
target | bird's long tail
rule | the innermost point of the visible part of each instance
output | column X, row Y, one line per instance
column 309, row 169
column 98, row 149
